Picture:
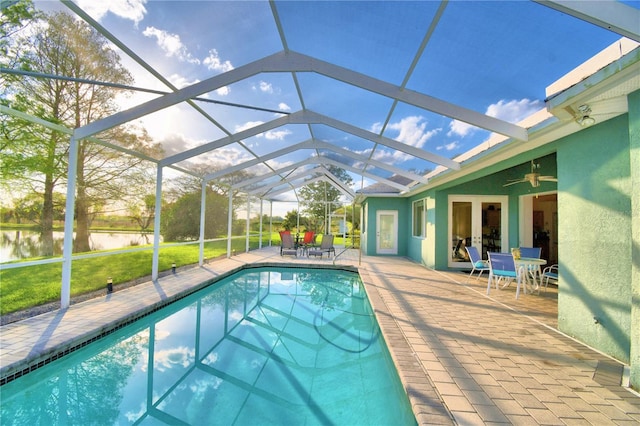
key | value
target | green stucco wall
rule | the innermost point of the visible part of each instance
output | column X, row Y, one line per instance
column 376, row 204
column 594, row 231
column 434, row 250
column 598, row 229
column 634, row 138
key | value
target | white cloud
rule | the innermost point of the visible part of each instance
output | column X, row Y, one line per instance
column 284, row 107
column 460, row 128
column 413, row 131
column 266, row 87
column 171, row 44
column 175, row 143
column 512, row 111
column 180, row 81
column 376, row 128
column 278, row 134
column 247, row 125
column 133, row 10
column 223, row 157
column 174, row 357
column 386, row 155
column 223, row 91
column 449, row 146
column 214, row 63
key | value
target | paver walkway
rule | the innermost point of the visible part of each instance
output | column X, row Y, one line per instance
column 464, row 358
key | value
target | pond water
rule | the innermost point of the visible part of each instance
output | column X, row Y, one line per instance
column 24, row 244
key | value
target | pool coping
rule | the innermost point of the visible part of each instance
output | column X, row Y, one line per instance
column 426, row 402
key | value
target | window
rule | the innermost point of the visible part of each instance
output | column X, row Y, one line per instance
column 418, row 219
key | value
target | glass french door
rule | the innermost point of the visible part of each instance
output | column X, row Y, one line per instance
column 387, row 232
column 479, row 221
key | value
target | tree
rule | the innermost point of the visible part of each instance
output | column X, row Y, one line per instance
column 320, row 199
column 143, row 213
column 30, row 206
column 71, row 48
column 180, row 220
column 13, row 19
column 290, row 220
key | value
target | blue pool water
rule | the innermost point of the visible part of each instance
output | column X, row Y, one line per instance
column 264, row 346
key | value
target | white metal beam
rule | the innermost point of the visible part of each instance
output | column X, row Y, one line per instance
column 609, row 14
column 324, row 178
column 67, row 250
column 155, row 262
column 335, row 181
column 375, row 163
column 299, row 174
column 313, row 117
column 308, row 144
column 227, row 140
column 184, row 94
column 408, row 96
column 272, row 173
column 332, row 179
column 325, row 160
column 298, row 185
column 203, row 216
column 296, row 62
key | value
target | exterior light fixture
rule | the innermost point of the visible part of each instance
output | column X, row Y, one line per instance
column 173, row 267
column 584, row 119
column 109, row 285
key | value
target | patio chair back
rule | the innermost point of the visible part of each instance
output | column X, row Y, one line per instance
column 476, row 262
column 287, row 241
column 503, row 266
column 531, row 252
column 326, row 246
column 550, row 273
column 288, row 246
column 308, row 237
column 284, row 233
column 327, row 242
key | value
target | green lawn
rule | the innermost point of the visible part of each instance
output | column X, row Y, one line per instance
column 23, row 288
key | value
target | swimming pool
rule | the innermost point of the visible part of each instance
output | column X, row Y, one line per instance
column 264, row 346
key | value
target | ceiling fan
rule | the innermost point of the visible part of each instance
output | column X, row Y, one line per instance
column 533, row 178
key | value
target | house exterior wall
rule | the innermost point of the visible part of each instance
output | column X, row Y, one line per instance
column 598, row 229
column 376, row 204
column 490, row 181
column 422, row 250
column 594, row 233
column 634, row 138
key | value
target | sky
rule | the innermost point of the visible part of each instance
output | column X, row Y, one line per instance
column 492, row 57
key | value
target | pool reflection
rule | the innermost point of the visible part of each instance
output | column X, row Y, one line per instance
column 279, row 346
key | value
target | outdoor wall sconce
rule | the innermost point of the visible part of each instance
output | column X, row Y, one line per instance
column 585, row 120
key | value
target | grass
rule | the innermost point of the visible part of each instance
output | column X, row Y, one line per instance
column 30, row 286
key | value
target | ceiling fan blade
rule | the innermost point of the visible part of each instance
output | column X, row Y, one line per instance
column 548, row 178
column 515, row 181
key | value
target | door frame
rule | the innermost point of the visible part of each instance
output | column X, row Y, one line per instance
column 394, row 249
column 476, row 222
column 525, row 221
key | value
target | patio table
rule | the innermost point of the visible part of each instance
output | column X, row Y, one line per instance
column 530, row 265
